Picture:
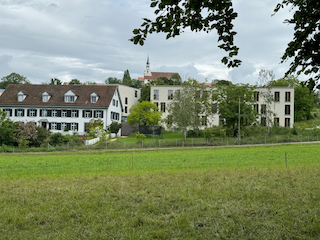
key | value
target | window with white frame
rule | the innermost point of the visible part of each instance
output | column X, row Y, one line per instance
column 32, row 113
column 63, row 126
column 44, row 113
column 64, row 113
column 54, row 113
column 53, row 126
column 87, row 114
column 21, row 96
column 74, row 113
column 94, row 97
column 170, row 94
column 70, row 97
column 74, row 126
column 45, row 97
column 20, row 113
column 99, row 114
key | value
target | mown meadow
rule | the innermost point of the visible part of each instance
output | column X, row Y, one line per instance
column 191, row 193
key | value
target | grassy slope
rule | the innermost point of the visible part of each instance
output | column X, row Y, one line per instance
column 238, row 193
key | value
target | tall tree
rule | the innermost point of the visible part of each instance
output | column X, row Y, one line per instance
column 144, row 113
column 304, row 102
column 13, row 78
column 265, row 77
column 228, row 105
column 74, row 81
column 190, row 106
column 126, row 80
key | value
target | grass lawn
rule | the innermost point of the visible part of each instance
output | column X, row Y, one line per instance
column 205, row 193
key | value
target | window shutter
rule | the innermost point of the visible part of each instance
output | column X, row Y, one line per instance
column 22, row 112
column 49, row 113
column 83, row 113
column 41, row 112
column 28, row 112
column 59, row 126
column 49, row 125
column 101, row 114
column 94, row 114
column 69, row 126
column 90, row 114
column 68, row 113
column 77, row 126
column 35, row 112
column 59, row 113
column 77, row 113
column 15, row 112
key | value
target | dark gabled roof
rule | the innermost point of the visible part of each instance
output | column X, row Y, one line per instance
column 34, row 95
column 156, row 75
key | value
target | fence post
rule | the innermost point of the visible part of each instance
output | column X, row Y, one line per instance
column 277, row 139
column 265, row 139
column 13, row 149
column 142, row 144
column 106, row 144
column 252, row 139
column 192, row 142
column 308, row 137
column 159, row 143
column 176, row 143
column 68, row 146
column 48, row 147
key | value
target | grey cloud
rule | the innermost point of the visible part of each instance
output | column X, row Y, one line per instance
column 5, row 69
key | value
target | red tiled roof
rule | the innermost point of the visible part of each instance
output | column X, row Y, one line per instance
column 34, row 95
column 156, row 75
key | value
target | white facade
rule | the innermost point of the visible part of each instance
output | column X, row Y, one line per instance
column 282, row 107
column 78, row 105
column 129, row 97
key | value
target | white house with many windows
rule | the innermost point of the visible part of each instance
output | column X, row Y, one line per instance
column 62, row 107
column 279, row 110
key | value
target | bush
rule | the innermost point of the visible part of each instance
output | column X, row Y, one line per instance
column 140, row 137
column 58, row 139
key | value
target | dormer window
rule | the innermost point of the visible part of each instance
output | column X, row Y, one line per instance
column 45, row 97
column 70, row 97
column 21, row 96
column 94, row 98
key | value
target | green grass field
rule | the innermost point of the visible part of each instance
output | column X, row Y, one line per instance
column 203, row 193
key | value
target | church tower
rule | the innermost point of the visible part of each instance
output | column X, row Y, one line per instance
column 147, row 71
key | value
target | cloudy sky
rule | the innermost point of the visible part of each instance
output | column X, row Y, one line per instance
column 88, row 40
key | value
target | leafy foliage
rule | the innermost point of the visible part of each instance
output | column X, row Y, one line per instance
column 144, row 113
column 27, row 131
column 228, row 105
column 304, row 47
column 173, row 16
column 187, row 107
column 74, row 81
column 303, row 103
column 13, row 78
column 114, row 127
column 113, row 80
column 55, row 81
column 7, row 129
column 93, row 126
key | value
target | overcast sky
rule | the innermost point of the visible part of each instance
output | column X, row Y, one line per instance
column 88, row 40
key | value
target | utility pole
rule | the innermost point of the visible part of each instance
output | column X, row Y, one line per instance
column 239, row 139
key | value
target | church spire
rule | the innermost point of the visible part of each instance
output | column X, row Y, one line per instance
column 147, row 71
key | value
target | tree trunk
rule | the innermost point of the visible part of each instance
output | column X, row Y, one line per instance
column 184, row 134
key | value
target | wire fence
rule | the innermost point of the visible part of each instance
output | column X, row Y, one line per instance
column 148, row 143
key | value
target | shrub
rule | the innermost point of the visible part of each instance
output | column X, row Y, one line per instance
column 140, row 137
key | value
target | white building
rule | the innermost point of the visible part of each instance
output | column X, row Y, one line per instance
column 129, row 97
column 62, row 107
column 281, row 106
